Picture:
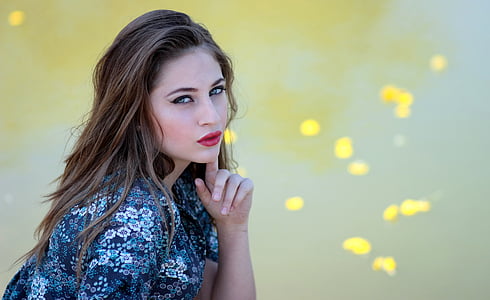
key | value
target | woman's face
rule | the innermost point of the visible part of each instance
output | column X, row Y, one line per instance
column 189, row 105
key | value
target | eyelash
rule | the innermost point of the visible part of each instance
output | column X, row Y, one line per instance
column 213, row 92
column 220, row 87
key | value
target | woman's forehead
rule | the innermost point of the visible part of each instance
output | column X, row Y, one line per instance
column 194, row 68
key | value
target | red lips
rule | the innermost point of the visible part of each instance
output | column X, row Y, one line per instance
column 211, row 139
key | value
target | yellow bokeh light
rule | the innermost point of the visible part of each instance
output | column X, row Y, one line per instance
column 409, row 207
column 343, row 147
column 401, row 97
column 405, row 99
column 389, row 265
column 241, row 171
column 357, row 245
column 309, row 127
column 230, row 136
column 438, row 63
column 389, row 93
column 16, row 18
column 402, row 111
column 391, row 213
column 358, row 168
column 423, row 205
column 294, row 203
column 377, row 263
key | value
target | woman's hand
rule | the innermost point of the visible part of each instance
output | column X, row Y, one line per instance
column 227, row 197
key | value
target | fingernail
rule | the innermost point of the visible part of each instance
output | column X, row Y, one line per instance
column 216, row 196
column 224, row 211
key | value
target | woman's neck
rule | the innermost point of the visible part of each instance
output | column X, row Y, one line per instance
column 170, row 179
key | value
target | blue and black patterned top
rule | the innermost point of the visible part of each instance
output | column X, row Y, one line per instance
column 130, row 259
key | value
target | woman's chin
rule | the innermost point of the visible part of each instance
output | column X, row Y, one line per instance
column 206, row 160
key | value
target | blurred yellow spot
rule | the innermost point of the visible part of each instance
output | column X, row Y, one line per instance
column 409, row 207
column 241, row 171
column 389, row 265
column 391, row 213
column 230, row 136
column 357, row 245
column 389, row 93
column 309, row 127
column 378, row 263
column 438, row 63
column 16, row 18
column 358, row 167
column 405, row 99
column 401, row 97
column 294, row 203
column 423, row 205
column 343, row 147
column 402, row 111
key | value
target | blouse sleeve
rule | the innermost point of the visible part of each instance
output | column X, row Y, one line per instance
column 123, row 260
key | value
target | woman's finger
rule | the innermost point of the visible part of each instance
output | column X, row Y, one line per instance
column 203, row 192
column 230, row 193
column 246, row 187
column 211, row 169
column 219, row 184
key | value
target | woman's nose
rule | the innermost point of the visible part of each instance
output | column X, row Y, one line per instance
column 207, row 112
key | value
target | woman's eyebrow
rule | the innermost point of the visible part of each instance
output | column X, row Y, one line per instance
column 218, row 81
column 190, row 89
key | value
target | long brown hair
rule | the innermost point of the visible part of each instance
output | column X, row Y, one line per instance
column 118, row 138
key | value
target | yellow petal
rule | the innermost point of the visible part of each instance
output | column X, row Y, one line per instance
column 358, row 167
column 423, row 205
column 294, row 203
column 357, row 245
column 409, row 207
column 309, row 127
column 377, row 263
column 16, row 18
column 404, row 98
column 343, row 147
column 389, row 93
column 438, row 63
column 389, row 265
column 230, row 136
column 391, row 213
column 402, row 111
column 347, row 244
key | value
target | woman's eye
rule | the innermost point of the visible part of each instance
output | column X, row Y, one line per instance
column 217, row 90
column 182, row 99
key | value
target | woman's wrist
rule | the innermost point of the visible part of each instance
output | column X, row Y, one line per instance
column 230, row 228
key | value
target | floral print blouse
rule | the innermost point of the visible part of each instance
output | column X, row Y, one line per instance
column 130, row 259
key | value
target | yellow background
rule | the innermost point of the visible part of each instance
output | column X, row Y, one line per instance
column 295, row 60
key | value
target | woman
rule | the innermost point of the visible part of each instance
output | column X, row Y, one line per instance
column 146, row 196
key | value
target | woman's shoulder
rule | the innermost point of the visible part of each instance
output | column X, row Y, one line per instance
column 137, row 210
column 141, row 194
column 134, row 229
